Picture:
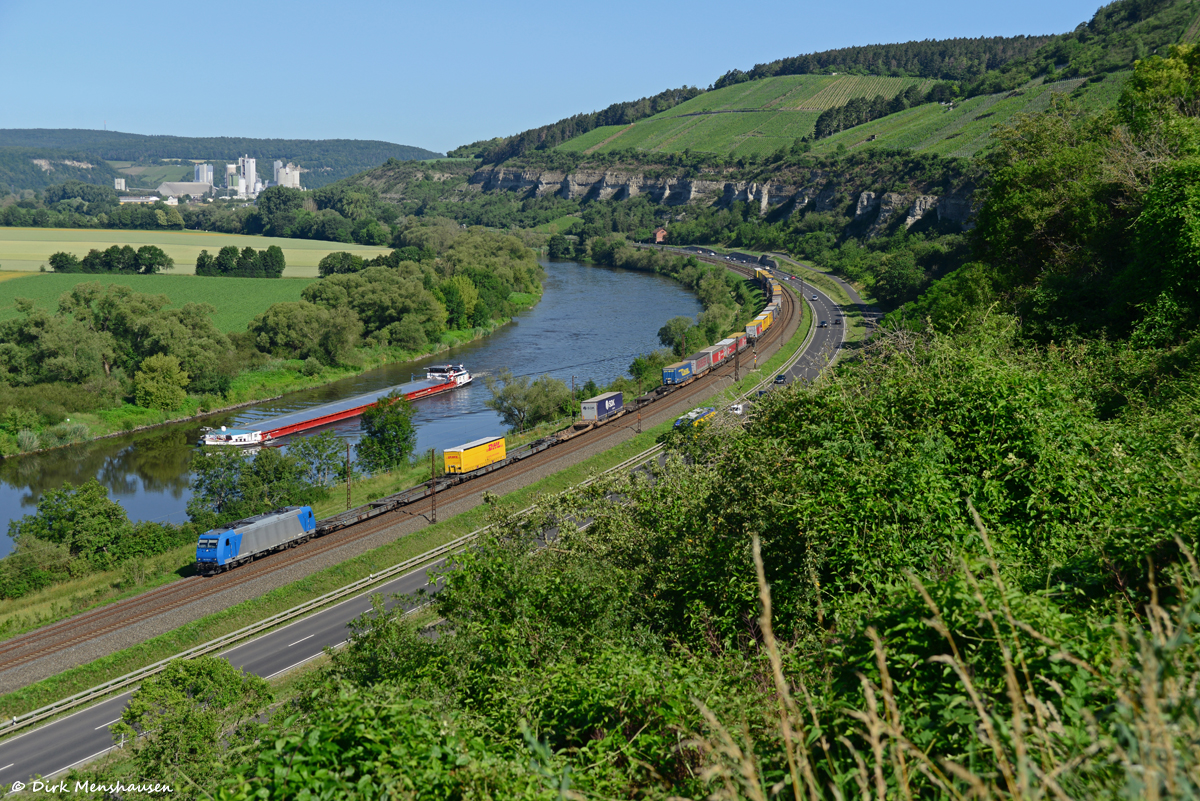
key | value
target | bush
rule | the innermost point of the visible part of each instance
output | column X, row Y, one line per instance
column 160, row 382
column 312, row 367
column 28, row 440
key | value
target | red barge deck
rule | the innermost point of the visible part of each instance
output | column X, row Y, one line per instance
column 437, row 380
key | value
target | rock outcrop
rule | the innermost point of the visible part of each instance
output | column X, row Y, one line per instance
column 820, row 190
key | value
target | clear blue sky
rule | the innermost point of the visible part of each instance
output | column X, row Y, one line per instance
column 435, row 75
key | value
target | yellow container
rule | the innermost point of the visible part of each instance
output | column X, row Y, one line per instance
column 474, row 455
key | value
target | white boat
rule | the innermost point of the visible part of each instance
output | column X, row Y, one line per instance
column 236, row 437
column 449, row 372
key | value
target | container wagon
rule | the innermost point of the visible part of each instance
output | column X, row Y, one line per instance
column 602, row 406
column 739, row 340
column 723, row 350
column 700, row 362
column 754, row 328
column 677, row 373
column 474, row 455
column 222, row 548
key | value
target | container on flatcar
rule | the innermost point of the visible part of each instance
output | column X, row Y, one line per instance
column 677, row 373
column 701, row 361
column 695, row 417
column 474, row 455
column 756, row 326
column 602, row 406
column 739, row 340
column 226, row 546
column 723, row 350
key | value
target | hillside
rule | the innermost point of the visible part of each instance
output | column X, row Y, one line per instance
column 756, row 118
column 324, row 160
column 37, row 168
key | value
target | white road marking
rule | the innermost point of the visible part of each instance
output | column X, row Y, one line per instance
column 105, row 725
column 9, row 765
column 302, row 639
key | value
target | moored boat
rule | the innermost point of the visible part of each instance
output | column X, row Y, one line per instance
column 438, row 379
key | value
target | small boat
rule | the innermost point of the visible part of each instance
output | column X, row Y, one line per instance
column 438, row 379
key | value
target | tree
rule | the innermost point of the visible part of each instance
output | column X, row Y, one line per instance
column 226, row 261
column 339, row 262
column 674, row 334
column 323, row 456
column 389, row 435
column 177, row 720
column 64, row 263
column 232, row 484
column 273, row 262
column 160, row 383
column 249, row 264
column 151, row 259
column 559, row 248
column 205, row 264
column 522, row 403
column 82, row 518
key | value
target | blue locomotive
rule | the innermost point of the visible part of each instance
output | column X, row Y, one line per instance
column 228, row 546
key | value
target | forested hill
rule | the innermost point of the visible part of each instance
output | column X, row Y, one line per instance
column 37, row 168
column 942, row 59
column 325, row 160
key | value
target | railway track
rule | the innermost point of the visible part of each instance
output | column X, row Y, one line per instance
column 57, row 637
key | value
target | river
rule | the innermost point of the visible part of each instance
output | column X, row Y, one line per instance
column 591, row 323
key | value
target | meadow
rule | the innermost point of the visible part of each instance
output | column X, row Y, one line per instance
column 237, row 300
column 28, row 249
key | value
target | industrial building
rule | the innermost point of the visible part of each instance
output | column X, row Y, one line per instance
column 181, row 188
column 203, row 174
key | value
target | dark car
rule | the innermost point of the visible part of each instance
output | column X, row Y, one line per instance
column 837, row 321
column 822, row 324
column 781, row 379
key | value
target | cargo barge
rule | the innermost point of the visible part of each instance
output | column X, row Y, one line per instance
column 442, row 378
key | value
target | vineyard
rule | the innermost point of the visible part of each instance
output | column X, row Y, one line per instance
column 966, row 129
column 845, row 88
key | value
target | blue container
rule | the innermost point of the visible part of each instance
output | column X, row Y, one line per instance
column 677, row 373
column 602, row 406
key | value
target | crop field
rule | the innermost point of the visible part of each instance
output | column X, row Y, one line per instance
column 237, row 300
column 966, row 129
column 29, row 248
column 556, row 226
column 591, row 139
column 152, row 176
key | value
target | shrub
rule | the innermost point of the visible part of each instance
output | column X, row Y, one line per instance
column 160, row 382
column 27, row 440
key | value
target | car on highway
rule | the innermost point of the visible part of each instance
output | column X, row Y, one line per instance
column 781, row 379
column 814, row 297
column 823, row 324
column 838, row 321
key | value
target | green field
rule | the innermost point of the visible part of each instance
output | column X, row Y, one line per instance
column 151, row 176
column 237, row 300
column 29, row 248
column 757, row 117
column 559, row 225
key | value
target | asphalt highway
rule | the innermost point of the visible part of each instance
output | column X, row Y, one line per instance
column 85, row 735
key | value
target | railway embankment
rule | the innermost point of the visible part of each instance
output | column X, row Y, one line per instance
column 132, row 635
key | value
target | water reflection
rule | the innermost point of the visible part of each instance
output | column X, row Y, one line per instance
column 591, row 323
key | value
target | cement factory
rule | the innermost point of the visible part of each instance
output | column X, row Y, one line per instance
column 239, row 181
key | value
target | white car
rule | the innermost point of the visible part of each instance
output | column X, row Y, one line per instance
column 738, row 408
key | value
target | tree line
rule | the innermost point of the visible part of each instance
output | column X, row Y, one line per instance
column 546, row 137
column 122, row 259
column 248, row 263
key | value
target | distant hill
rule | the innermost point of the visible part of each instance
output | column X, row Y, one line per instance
column 326, row 160
column 37, row 168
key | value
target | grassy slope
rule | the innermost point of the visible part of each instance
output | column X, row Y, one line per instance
column 756, row 117
column 237, row 300
column 29, row 248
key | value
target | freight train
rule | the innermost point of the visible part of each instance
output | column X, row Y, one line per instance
column 229, row 546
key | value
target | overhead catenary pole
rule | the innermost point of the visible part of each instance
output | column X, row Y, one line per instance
column 347, row 476
column 433, row 486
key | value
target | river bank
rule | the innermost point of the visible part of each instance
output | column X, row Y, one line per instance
column 268, row 382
